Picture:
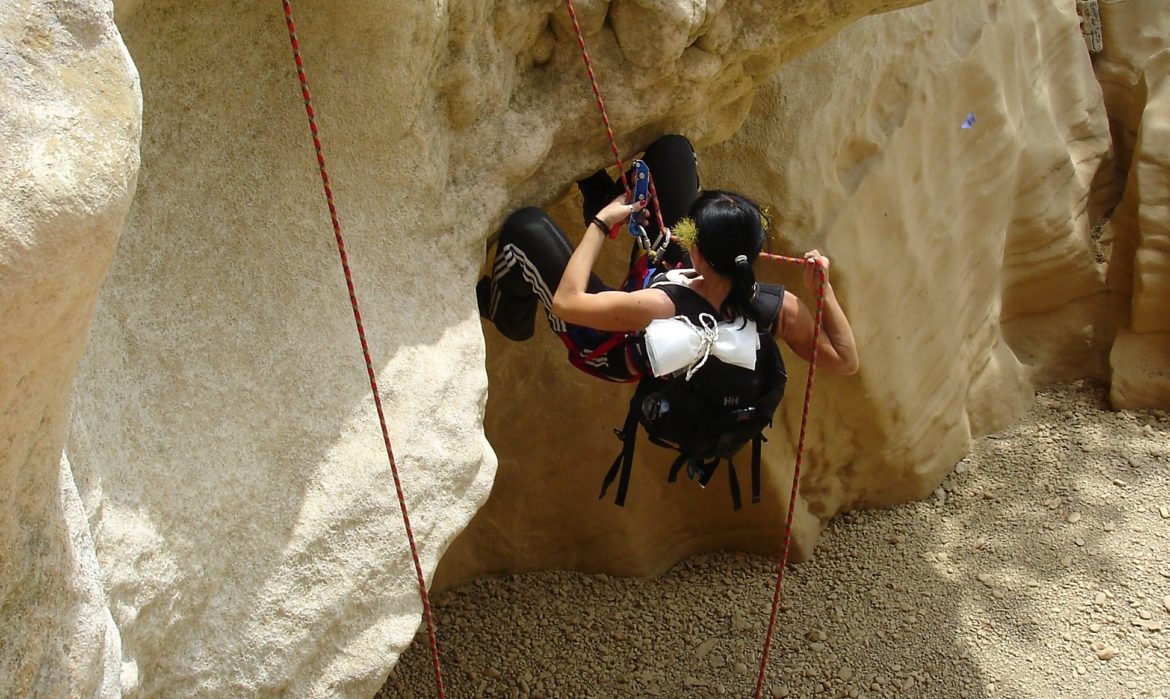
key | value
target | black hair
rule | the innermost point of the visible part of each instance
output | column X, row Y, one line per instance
column 730, row 235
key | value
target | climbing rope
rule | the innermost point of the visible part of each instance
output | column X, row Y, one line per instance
column 778, row 591
column 357, row 317
column 659, row 245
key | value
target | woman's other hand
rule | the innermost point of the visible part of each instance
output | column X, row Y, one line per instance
column 813, row 259
column 618, row 211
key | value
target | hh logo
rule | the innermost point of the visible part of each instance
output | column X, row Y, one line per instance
column 729, row 401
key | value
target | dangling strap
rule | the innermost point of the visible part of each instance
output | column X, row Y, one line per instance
column 624, row 461
column 703, row 470
column 706, row 469
column 733, row 481
column 756, row 445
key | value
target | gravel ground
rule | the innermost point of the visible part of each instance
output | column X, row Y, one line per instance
column 1040, row 568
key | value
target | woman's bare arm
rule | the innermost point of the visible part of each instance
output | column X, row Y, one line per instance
column 607, row 310
column 836, row 346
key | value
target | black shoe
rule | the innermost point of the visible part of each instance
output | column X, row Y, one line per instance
column 483, row 291
column 514, row 317
column 597, row 190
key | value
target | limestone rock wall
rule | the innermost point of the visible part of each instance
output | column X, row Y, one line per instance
column 962, row 250
column 963, row 256
column 69, row 129
column 1134, row 69
column 222, row 439
column 222, row 521
column 223, row 434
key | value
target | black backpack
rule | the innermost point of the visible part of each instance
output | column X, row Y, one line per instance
column 711, row 417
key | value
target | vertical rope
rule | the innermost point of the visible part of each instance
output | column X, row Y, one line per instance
column 778, row 591
column 357, row 317
column 663, row 235
column 663, row 238
column 597, row 94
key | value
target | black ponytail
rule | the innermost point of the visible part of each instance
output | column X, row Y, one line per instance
column 730, row 235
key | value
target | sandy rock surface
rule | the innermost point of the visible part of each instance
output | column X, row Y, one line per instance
column 963, row 257
column 198, row 502
column 222, row 438
column 70, row 121
column 1040, row 569
column 1135, row 77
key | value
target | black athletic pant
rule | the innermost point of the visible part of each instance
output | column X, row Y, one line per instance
column 533, row 251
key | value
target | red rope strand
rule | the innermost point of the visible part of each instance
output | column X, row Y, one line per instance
column 357, row 317
column 608, row 127
column 597, row 94
column 778, row 591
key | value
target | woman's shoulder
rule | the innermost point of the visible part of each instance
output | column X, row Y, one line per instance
column 655, row 300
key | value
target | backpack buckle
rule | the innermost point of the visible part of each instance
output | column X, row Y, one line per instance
column 741, row 415
column 701, row 471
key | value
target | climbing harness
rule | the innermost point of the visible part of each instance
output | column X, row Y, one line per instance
column 819, row 316
column 357, row 317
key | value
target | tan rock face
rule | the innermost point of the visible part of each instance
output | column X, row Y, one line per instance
column 1134, row 70
column 962, row 250
column 242, row 502
column 223, row 438
column 223, row 454
column 962, row 254
column 69, row 130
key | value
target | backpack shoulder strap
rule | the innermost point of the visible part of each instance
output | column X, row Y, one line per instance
column 687, row 302
column 769, row 298
column 757, row 443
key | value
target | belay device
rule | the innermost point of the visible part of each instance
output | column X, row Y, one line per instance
column 640, row 195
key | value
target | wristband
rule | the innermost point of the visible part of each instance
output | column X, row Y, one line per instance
column 601, row 225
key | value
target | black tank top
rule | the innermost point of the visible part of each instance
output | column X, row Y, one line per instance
column 689, row 303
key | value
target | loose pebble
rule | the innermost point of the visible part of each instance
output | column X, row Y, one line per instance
column 1073, row 517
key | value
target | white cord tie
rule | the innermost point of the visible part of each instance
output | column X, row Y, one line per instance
column 708, row 332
